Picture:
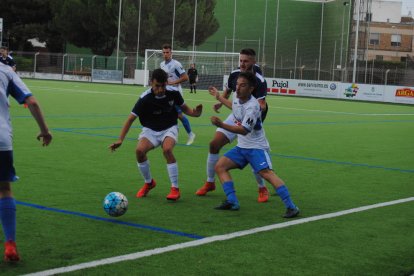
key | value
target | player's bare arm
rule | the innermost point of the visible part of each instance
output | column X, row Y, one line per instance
column 232, row 128
column 124, row 132
column 226, row 94
column 262, row 103
column 193, row 112
column 36, row 112
column 223, row 100
column 183, row 78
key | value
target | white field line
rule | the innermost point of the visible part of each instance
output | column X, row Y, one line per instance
column 161, row 250
column 72, row 90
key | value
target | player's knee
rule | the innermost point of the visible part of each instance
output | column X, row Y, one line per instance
column 216, row 145
column 141, row 154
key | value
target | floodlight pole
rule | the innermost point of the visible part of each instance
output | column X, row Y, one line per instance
column 320, row 42
column 139, row 31
column 173, row 24
column 119, row 33
column 357, row 7
column 194, row 29
column 264, row 33
column 276, row 31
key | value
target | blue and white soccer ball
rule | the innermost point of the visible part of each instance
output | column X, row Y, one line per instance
column 115, row 204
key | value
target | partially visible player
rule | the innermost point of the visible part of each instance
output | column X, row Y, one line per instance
column 5, row 58
column 252, row 145
column 193, row 78
column 176, row 76
column 157, row 114
column 11, row 84
column 222, row 136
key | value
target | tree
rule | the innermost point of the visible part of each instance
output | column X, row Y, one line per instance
column 24, row 20
column 88, row 23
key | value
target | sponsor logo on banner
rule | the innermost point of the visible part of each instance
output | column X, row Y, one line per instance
column 351, row 91
column 404, row 92
column 281, row 87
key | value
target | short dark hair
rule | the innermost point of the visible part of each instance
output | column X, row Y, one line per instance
column 159, row 75
column 250, row 77
column 166, row 46
column 248, row 52
column 4, row 48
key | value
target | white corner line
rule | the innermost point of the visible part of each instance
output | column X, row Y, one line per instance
column 160, row 250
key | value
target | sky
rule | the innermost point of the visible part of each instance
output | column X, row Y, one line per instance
column 407, row 5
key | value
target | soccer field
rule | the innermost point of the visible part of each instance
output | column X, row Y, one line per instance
column 349, row 167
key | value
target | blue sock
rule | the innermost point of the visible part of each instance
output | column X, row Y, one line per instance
column 228, row 188
column 8, row 217
column 186, row 124
column 283, row 193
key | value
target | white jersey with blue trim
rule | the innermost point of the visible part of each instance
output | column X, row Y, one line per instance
column 10, row 84
column 248, row 115
column 174, row 69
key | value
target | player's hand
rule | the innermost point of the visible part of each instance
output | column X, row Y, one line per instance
column 46, row 138
column 115, row 145
column 217, row 106
column 214, row 92
column 198, row 110
column 216, row 121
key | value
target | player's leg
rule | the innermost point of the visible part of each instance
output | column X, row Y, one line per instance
column 187, row 126
column 261, row 163
column 220, row 139
column 147, row 141
column 231, row 160
column 168, row 144
column 195, row 88
column 263, row 192
column 8, row 205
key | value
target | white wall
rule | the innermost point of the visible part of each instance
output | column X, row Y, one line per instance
column 386, row 11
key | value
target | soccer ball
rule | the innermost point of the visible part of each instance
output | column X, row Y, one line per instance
column 115, row 204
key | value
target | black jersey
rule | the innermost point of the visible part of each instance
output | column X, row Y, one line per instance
column 8, row 61
column 158, row 113
column 259, row 92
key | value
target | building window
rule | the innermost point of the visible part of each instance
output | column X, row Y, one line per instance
column 396, row 40
column 368, row 17
column 379, row 58
column 374, row 39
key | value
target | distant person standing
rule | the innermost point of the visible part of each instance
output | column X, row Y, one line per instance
column 5, row 58
column 193, row 78
column 176, row 75
column 11, row 84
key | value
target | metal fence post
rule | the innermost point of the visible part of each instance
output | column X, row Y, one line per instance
column 35, row 63
column 123, row 68
column 63, row 65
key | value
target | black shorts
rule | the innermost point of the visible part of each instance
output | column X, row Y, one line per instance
column 192, row 81
column 7, row 171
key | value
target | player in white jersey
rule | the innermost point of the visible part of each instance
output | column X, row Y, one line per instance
column 11, row 84
column 176, row 75
column 222, row 136
column 252, row 146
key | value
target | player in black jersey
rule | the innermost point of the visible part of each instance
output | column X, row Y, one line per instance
column 157, row 113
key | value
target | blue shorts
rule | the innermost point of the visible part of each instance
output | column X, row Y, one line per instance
column 7, row 171
column 259, row 159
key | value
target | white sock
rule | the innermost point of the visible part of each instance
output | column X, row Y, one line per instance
column 259, row 180
column 173, row 174
column 211, row 163
column 144, row 168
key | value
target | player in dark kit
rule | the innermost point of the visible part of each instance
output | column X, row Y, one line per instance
column 157, row 113
column 193, row 78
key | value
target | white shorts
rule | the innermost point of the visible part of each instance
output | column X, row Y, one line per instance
column 157, row 137
column 230, row 120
